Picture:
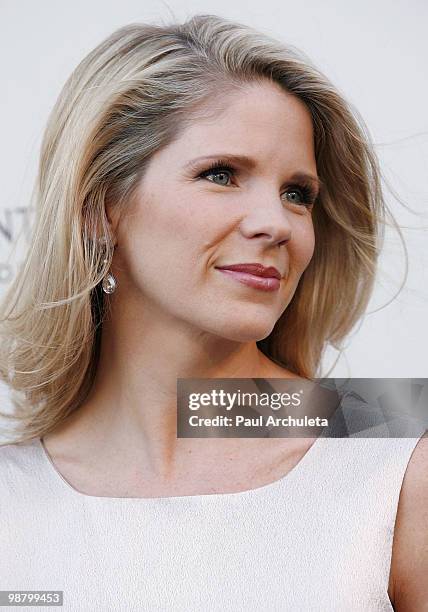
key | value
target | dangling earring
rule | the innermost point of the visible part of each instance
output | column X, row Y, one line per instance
column 109, row 283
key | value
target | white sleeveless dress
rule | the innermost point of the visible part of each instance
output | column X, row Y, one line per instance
column 318, row 539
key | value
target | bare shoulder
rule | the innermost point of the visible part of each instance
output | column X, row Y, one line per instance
column 409, row 564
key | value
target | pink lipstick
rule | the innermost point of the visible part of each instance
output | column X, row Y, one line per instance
column 254, row 275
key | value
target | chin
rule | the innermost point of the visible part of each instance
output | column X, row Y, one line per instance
column 245, row 330
column 239, row 322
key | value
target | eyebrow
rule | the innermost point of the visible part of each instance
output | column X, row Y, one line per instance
column 251, row 163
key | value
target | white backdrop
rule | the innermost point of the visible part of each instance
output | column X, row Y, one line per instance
column 374, row 51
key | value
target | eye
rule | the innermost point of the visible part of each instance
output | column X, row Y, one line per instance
column 301, row 195
column 297, row 197
column 222, row 172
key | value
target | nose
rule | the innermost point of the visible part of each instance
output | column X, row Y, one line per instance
column 268, row 222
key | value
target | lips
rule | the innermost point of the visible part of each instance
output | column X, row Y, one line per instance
column 254, row 268
column 254, row 275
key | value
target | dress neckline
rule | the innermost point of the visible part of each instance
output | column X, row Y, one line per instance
column 296, row 471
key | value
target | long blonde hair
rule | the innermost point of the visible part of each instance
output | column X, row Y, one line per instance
column 130, row 96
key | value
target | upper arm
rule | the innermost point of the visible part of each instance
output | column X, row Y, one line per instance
column 409, row 564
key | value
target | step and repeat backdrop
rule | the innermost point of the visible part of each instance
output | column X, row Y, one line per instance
column 380, row 77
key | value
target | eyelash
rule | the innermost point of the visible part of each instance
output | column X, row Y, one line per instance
column 306, row 189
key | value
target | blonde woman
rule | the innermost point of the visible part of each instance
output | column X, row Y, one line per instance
column 208, row 206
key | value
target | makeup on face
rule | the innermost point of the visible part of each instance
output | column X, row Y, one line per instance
column 254, row 275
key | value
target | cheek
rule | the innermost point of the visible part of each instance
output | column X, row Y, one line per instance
column 162, row 241
column 175, row 221
column 301, row 248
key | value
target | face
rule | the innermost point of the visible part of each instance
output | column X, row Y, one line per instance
column 252, row 207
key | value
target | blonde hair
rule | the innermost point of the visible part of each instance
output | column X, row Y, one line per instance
column 134, row 93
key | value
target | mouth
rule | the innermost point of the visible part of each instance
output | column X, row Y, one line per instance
column 254, row 275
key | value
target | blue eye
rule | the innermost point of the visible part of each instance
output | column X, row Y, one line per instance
column 223, row 170
column 307, row 195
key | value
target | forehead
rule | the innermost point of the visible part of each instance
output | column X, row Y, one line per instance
column 259, row 119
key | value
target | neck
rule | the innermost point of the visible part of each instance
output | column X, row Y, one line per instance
column 132, row 404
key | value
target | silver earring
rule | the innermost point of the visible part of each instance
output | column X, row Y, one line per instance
column 109, row 283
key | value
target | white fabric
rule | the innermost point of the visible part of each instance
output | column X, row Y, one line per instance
column 318, row 539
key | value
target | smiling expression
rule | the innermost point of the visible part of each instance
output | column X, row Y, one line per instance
column 236, row 188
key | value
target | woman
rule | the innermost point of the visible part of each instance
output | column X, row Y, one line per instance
column 208, row 206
